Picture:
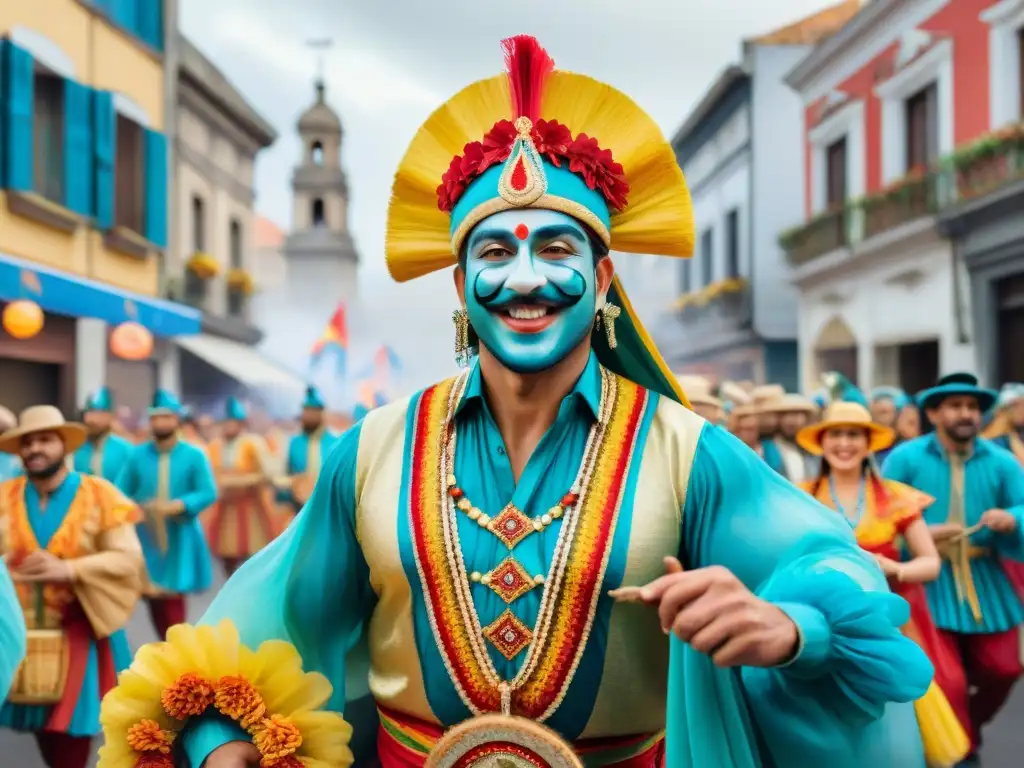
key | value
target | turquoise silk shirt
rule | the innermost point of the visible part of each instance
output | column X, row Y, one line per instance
column 177, row 556
column 345, row 580
column 105, row 458
column 12, row 632
column 992, row 480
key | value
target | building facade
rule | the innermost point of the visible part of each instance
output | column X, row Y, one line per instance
column 988, row 228
column 212, row 265
column 898, row 114
column 735, row 316
column 83, row 193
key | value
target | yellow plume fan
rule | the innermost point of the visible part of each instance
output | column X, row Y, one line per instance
column 659, row 215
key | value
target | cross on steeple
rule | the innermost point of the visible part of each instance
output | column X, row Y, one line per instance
column 321, row 46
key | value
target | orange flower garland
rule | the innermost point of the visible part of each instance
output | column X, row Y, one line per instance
column 275, row 736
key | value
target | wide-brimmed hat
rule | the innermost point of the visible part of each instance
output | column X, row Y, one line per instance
column 953, row 385
column 698, row 390
column 843, row 414
column 790, row 403
column 43, row 418
column 767, row 393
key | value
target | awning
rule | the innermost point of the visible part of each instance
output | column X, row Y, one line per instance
column 243, row 364
column 63, row 293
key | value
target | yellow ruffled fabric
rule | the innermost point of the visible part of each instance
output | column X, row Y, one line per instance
column 212, row 654
column 945, row 741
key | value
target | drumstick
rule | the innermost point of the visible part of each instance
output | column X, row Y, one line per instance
column 632, row 594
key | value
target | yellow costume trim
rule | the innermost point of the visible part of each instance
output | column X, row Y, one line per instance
column 265, row 691
column 657, row 220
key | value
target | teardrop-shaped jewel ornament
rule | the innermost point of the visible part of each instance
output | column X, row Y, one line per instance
column 523, row 181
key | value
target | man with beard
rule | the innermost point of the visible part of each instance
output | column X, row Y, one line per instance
column 306, row 451
column 242, row 521
column 508, row 541
column 69, row 539
column 104, row 453
column 793, row 413
column 977, row 522
column 172, row 481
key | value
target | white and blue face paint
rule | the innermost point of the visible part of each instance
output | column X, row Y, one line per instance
column 531, row 287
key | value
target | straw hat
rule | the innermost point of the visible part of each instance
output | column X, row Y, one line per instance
column 790, row 403
column 767, row 393
column 43, row 418
column 698, row 390
column 843, row 414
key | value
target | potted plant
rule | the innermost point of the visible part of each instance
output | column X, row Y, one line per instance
column 241, row 282
column 203, row 266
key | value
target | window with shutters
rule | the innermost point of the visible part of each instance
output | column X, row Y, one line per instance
column 922, row 128
column 707, row 256
column 835, row 174
column 235, row 240
column 198, row 224
column 129, row 176
column 48, row 136
column 686, row 276
column 732, row 243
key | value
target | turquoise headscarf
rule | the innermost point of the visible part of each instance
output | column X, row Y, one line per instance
column 235, row 410
column 313, row 399
column 100, row 400
column 165, row 403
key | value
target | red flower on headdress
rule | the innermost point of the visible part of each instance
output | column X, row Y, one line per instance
column 599, row 170
column 552, row 140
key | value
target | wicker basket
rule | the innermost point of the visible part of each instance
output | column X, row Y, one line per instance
column 43, row 674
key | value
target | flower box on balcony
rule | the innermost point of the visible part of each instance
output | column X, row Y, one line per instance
column 203, row 266
column 241, row 282
column 990, row 162
column 822, row 234
column 906, row 199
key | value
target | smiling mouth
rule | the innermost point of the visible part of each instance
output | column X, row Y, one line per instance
column 528, row 317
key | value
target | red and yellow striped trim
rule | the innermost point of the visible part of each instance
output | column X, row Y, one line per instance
column 564, row 640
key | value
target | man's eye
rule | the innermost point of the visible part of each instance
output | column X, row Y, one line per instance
column 495, row 252
column 558, row 249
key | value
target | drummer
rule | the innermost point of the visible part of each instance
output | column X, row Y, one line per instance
column 306, row 451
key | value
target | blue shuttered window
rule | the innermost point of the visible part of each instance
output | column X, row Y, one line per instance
column 104, row 137
column 19, row 83
column 156, row 188
column 126, row 13
column 151, row 23
column 78, row 148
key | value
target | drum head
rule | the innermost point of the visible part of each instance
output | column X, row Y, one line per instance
column 499, row 741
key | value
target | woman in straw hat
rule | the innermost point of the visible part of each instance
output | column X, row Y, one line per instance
column 69, row 539
column 492, row 637
column 887, row 515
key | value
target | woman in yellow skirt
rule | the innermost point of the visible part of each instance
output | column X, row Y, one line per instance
column 886, row 517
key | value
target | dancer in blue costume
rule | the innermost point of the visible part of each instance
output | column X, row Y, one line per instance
column 12, row 631
column 172, row 480
column 104, row 453
column 70, row 541
column 977, row 521
column 509, row 541
column 307, row 451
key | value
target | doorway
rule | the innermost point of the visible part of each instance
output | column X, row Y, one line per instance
column 1010, row 329
column 28, row 383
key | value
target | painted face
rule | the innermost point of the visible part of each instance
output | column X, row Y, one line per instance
column 531, row 287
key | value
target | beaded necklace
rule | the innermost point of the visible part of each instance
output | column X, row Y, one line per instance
column 859, row 510
column 507, row 633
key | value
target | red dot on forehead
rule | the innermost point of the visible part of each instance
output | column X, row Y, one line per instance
column 522, row 231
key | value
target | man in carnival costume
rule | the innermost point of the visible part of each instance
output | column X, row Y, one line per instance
column 507, row 544
column 977, row 522
column 243, row 520
column 70, row 542
column 172, row 481
column 306, row 451
column 104, row 453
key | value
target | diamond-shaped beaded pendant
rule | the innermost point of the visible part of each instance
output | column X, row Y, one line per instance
column 509, row 635
column 510, row 581
column 511, row 526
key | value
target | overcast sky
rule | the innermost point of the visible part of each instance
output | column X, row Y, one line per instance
column 393, row 61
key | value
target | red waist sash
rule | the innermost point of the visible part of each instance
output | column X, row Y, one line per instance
column 405, row 742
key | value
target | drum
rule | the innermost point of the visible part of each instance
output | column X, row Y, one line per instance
column 302, row 488
column 43, row 674
column 502, row 741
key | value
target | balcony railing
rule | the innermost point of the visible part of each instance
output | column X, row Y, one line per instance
column 978, row 169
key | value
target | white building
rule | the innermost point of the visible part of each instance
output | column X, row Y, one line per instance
column 884, row 297
column 741, row 148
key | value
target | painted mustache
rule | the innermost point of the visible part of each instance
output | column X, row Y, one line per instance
column 564, row 288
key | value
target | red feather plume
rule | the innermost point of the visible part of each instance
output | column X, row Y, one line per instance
column 529, row 66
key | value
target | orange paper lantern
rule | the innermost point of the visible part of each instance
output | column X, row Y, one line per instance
column 23, row 319
column 131, row 341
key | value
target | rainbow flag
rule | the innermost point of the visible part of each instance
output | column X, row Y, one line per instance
column 333, row 341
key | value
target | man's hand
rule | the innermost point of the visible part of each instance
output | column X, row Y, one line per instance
column 945, row 531
column 999, row 520
column 168, row 508
column 43, row 566
column 234, row 754
column 712, row 611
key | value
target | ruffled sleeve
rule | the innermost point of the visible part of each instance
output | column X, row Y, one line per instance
column 908, row 504
column 12, row 632
column 108, row 582
column 852, row 661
